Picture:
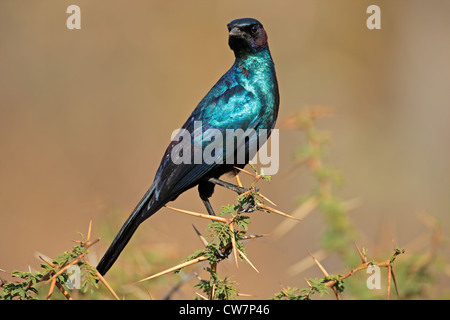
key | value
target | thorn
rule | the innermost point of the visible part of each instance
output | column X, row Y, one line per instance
column 202, row 238
column 256, row 179
column 51, row 264
column 201, row 296
column 389, row 267
column 246, row 259
column 393, row 243
column 246, row 172
column 306, row 263
column 233, row 244
column 248, row 192
column 238, row 180
column 318, row 264
column 261, row 206
column 326, row 274
column 240, row 294
column 309, row 283
column 267, row 199
column 363, row 258
column 52, row 287
column 90, row 244
column 100, row 277
column 197, row 276
column 200, row 215
column 89, row 231
column 336, row 293
column 181, row 265
column 254, row 236
column 211, row 294
column 395, row 281
column 149, row 294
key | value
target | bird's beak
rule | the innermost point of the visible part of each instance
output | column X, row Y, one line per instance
column 235, row 32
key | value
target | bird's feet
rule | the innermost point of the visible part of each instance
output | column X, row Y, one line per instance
column 223, row 252
column 249, row 206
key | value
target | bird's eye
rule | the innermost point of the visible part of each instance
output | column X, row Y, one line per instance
column 254, row 29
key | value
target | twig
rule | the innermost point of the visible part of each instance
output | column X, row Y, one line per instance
column 63, row 291
column 386, row 264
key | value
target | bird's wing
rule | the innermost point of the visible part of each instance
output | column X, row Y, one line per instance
column 222, row 108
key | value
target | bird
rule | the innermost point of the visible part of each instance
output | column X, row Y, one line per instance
column 246, row 97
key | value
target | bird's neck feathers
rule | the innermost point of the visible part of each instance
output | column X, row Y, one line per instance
column 257, row 60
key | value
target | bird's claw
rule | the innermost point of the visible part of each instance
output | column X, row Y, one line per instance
column 250, row 206
column 223, row 252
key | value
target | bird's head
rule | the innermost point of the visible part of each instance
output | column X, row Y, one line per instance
column 246, row 36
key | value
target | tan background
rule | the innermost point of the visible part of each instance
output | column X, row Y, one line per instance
column 85, row 116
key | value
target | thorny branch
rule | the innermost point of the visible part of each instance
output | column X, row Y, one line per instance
column 335, row 282
column 55, row 273
column 226, row 235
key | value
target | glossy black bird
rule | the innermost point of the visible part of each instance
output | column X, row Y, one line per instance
column 246, row 97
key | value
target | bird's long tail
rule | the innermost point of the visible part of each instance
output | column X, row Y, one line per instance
column 139, row 214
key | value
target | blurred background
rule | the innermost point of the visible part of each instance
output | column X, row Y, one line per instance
column 85, row 116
